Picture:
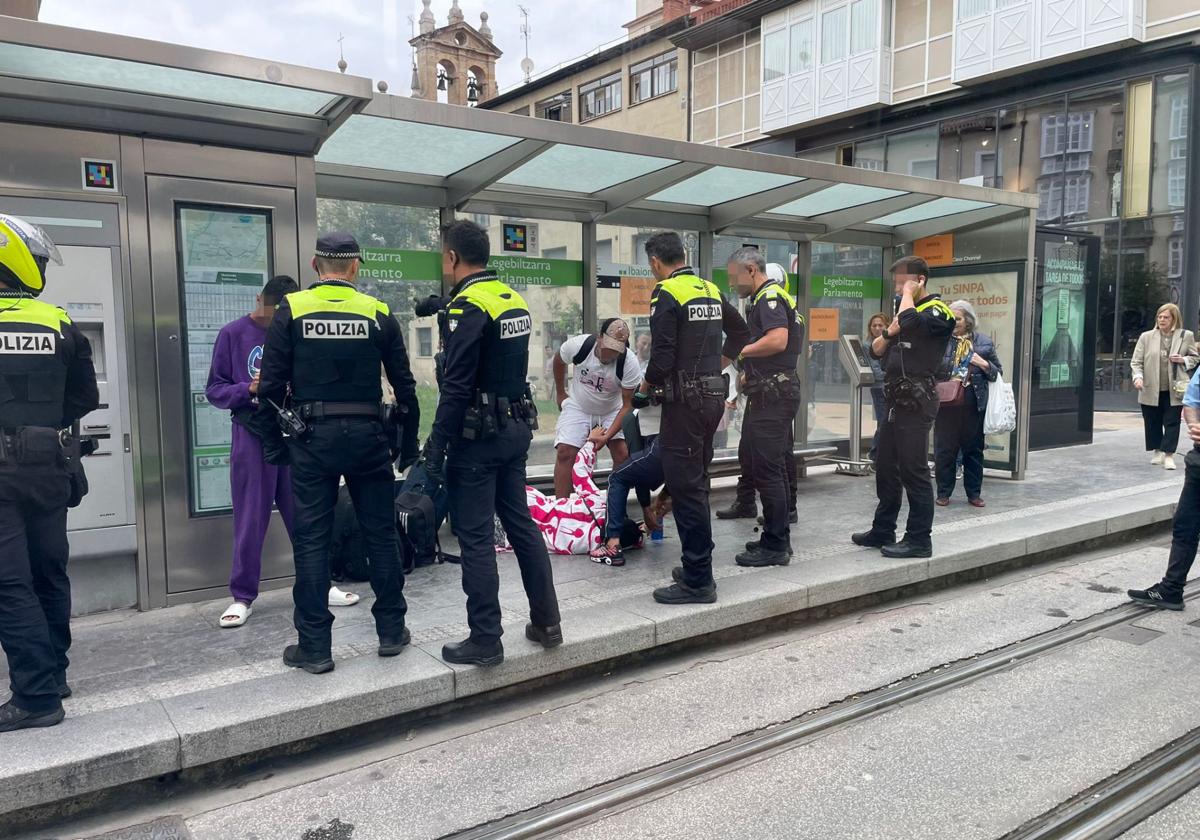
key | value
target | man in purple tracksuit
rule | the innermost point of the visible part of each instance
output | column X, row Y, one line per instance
column 257, row 485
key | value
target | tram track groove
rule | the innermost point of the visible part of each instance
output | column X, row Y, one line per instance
column 558, row 817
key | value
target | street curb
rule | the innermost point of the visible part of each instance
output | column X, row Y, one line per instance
column 72, row 766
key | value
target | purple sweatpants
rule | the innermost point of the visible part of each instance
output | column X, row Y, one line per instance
column 256, row 485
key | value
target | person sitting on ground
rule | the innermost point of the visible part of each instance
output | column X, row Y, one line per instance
column 575, row 524
column 643, row 472
column 606, row 374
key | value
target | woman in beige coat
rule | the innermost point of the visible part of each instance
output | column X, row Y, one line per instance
column 1163, row 357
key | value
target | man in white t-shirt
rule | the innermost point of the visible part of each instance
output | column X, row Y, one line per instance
column 602, row 385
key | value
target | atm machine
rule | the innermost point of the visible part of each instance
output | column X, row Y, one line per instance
column 853, row 356
column 102, row 530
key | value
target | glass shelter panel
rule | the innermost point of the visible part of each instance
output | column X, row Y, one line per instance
column 225, row 259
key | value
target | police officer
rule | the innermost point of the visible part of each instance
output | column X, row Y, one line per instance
column 324, row 349
column 773, row 394
column 911, row 350
column 687, row 317
column 47, row 382
column 479, row 443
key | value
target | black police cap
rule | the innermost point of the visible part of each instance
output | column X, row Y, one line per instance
column 338, row 246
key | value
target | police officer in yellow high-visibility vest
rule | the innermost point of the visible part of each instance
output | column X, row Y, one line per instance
column 687, row 318
column 479, row 444
column 911, row 350
column 321, row 361
column 47, row 382
column 773, row 394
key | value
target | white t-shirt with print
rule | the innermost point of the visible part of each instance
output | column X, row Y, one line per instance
column 594, row 387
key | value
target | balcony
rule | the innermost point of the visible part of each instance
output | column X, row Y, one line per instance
column 992, row 37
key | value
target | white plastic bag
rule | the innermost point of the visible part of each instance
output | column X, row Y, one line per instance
column 1001, row 414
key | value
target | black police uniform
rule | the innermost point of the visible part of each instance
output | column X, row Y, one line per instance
column 327, row 344
column 484, row 426
column 47, row 382
column 915, row 355
column 687, row 318
column 773, row 398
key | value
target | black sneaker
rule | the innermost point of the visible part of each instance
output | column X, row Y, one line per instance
column 677, row 574
column 1158, row 597
column 793, row 518
column 870, row 539
column 393, row 645
column 13, row 718
column 681, row 593
column 547, row 637
column 904, row 550
column 293, row 657
column 468, row 652
column 760, row 556
column 736, row 511
column 64, row 691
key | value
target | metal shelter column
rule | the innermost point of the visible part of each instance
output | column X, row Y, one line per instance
column 803, row 299
column 704, row 260
column 1026, row 350
column 591, row 319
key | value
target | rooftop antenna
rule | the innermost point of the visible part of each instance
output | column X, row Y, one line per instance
column 342, row 65
column 526, row 62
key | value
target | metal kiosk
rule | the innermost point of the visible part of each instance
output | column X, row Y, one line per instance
column 854, row 359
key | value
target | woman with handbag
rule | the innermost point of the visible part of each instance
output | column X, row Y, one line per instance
column 972, row 364
column 1162, row 364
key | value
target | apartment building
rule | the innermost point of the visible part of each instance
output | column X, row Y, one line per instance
column 1085, row 103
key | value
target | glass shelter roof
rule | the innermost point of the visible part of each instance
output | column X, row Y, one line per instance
column 425, row 154
column 93, row 80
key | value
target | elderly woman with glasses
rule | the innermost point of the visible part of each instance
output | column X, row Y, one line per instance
column 971, row 360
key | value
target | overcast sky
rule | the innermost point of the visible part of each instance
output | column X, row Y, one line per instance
column 376, row 31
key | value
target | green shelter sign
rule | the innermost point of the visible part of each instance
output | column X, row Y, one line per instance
column 846, row 286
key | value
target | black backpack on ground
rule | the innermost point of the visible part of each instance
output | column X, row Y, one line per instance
column 420, row 512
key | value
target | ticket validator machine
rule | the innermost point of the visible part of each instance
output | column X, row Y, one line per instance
column 853, row 355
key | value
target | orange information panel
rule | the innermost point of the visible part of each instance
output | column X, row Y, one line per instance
column 824, row 324
column 635, row 295
column 936, row 250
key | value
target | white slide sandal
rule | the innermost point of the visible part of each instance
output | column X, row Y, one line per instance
column 338, row 598
column 236, row 615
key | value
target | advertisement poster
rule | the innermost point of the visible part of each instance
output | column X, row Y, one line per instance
column 994, row 297
column 224, row 263
column 824, row 324
column 1063, row 304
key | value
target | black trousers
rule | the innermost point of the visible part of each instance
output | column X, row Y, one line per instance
column 357, row 449
column 687, row 449
column 487, row 479
column 35, row 593
column 745, row 484
column 767, row 434
column 959, row 428
column 901, row 468
column 1185, row 536
column 1162, row 424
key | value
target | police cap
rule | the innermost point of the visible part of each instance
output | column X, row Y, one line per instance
column 338, row 246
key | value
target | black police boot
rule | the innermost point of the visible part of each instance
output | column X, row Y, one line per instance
column 469, row 652
column 293, row 657
column 547, row 637
column 871, row 539
column 904, row 550
column 393, row 645
column 677, row 574
column 64, row 691
column 13, row 718
column 759, row 556
column 736, row 511
column 1157, row 596
column 681, row 593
